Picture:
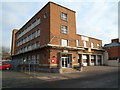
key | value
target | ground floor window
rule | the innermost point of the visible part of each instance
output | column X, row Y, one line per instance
column 92, row 59
column 84, row 60
column 99, row 59
column 31, row 59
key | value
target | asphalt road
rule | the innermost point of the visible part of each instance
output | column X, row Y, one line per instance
column 17, row 79
column 109, row 80
column 91, row 77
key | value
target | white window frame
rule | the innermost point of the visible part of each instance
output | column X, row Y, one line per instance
column 98, row 45
column 64, row 16
column 92, row 45
column 45, row 15
column 64, row 42
column 77, row 43
column 64, row 29
column 85, row 43
column 38, row 32
column 37, row 44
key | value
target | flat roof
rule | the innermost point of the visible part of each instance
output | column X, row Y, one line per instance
column 62, row 6
column 40, row 11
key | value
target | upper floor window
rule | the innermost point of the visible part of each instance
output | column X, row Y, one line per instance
column 38, row 32
column 77, row 42
column 64, row 16
column 37, row 44
column 33, row 35
column 98, row 45
column 45, row 15
column 64, row 42
column 85, row 43
column 64, row 29
column 92, row 45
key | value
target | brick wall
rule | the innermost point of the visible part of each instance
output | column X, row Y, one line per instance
column 114, row 51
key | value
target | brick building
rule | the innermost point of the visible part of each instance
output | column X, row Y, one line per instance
column 113, row 49
column 48, row 41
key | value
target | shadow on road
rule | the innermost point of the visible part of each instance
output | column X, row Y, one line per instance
column 108, row 80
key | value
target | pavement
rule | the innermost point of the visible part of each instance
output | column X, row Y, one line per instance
column 14, row 79
column 87, row 71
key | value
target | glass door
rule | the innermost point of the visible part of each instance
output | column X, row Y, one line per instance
column 65, row 62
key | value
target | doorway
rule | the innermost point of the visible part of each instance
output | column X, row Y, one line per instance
column 65, row 62
column 99, row 60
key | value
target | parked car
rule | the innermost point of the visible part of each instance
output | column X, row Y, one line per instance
column 5, row 66
column 13, row 63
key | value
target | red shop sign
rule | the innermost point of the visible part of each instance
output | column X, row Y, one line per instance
column 54, row 60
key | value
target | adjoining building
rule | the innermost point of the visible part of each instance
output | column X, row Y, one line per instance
column 113, row 50
column 48, row 42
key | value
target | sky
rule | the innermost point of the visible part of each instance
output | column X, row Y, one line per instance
column 94, row 18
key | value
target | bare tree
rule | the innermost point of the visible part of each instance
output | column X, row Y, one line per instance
column 5, row 51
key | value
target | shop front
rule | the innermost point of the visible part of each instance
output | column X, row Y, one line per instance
column 90, row 59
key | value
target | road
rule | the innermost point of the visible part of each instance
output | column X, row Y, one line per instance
column 109, row 80
column 91, row 77
column 17, row 79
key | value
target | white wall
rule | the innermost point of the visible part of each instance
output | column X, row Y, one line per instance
column 112, row 62
column 105, row 58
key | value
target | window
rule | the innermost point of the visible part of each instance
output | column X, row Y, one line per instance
column 64, row 29
column 27, row 39
column 22, row 50
column 25, row 49
column 37, row 44
column 92, row 59
column 38, row 32
column 64, row 16
column 30, row 47
column 33, row 35
column 84, row 58
column 45, row 15
column 37, row 58
column 34, row 45
column 64, row 42
column 85, row 43
column 98, row 45
column 92, row 45
column 29, row 59
column 34, row 59
column 37, row 22
column 77, row 42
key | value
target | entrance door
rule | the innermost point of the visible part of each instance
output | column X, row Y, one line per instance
column 99, row 60
column 65, row 62
column 92, row 60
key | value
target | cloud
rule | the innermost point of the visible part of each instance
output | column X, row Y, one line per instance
column 99, row 21
column 14, row 16
column 60, row 0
